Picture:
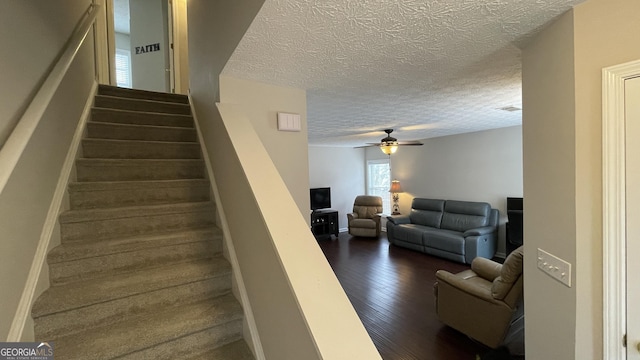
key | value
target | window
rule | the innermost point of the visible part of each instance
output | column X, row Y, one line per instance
column 123, row 68
column 378, row 182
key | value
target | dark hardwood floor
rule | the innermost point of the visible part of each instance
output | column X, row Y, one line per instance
column 391, row 289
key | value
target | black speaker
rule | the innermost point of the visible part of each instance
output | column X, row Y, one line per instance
column 514, row 223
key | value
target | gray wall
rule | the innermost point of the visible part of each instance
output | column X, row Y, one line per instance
column 31, row 35
column 342, row 169
column 562, row 121
column 26, row 56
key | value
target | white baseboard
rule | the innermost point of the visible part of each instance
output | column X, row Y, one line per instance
column 38, row 274
column 256, row 344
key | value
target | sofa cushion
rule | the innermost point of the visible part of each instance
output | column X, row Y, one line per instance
column 427, row 212
column 411, row 233
column 446, row 240
column 465, row 215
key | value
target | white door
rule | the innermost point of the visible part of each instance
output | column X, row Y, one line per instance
column 632, row 134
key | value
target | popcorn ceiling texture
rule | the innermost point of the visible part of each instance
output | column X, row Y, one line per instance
column 425, row 68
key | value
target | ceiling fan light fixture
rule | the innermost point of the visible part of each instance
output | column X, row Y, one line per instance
column 389, row 148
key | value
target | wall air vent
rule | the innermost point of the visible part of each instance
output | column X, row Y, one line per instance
column 288, row 122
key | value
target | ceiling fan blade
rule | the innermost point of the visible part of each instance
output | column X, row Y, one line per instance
column 408, row 143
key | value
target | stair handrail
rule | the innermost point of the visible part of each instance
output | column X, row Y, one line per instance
column 13, row 148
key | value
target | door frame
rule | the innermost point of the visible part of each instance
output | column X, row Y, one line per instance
column 104, row 44
column 614, row 208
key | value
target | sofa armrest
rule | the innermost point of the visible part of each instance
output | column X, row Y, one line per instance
column 485, row 268
column 463, row 285
column 399, row 219
column 479, row 231
column 351, row 216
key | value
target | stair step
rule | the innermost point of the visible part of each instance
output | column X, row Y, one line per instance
column 142, row 94
column 178, row 328
column 237, row 350
column 103, row 130
column 73, row 307
column 76, row 262
column 140, row 118
column 83, row 250
column 138, row 169
column 111, row 223
column 139, row 273
column 114, row 102
column 213, row 337
column 89, row 195
column 136, row 149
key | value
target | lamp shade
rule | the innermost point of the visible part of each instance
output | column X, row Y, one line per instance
column 395, row 187
column 389, row 148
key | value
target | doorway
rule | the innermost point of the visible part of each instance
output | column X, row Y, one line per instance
column 143, row 44
column 621, row 209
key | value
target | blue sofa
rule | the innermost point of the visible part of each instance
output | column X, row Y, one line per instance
column 455, row 230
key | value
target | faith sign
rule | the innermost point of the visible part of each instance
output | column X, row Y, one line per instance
column 147, row 48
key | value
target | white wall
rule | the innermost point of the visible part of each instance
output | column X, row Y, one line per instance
column 288, row 150
column 149, row 25
column 480, row 166
column 31, row 36
column 343, row 170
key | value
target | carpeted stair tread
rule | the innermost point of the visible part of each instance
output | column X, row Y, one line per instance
column 118, row 116
column 121, row 131
column 109, row 287
column 83, row 250
column 133, row 185
column 139, row 149
column 108, row 194
column 195, row 343
column 94, row 225
column 124, row 261
column 141, row 94
column 73, row 216
column 140, row 272
column 74, row 320
column 105, row 101
column 139, row 169
column 141, row 333
column 237, row 350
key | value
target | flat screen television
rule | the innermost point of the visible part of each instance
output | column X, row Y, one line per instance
column 320, row 198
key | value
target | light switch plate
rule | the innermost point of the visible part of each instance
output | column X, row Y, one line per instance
column 554, row 267
column 288, row 122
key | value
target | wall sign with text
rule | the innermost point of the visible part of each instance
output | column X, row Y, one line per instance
column 147, row 48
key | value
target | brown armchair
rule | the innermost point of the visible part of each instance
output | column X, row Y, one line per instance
column 365, row 218
column 485, row 303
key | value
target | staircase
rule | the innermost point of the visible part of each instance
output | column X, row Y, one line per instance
column 139, row 273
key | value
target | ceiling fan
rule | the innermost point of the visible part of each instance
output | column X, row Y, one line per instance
column 389, row 144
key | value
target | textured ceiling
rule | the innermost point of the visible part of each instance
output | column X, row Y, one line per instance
column 425, row 68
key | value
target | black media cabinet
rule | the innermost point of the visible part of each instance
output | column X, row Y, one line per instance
column 324, row 222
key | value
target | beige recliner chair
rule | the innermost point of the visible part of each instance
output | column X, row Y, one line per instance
column 365, row 218
column 485, row 303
